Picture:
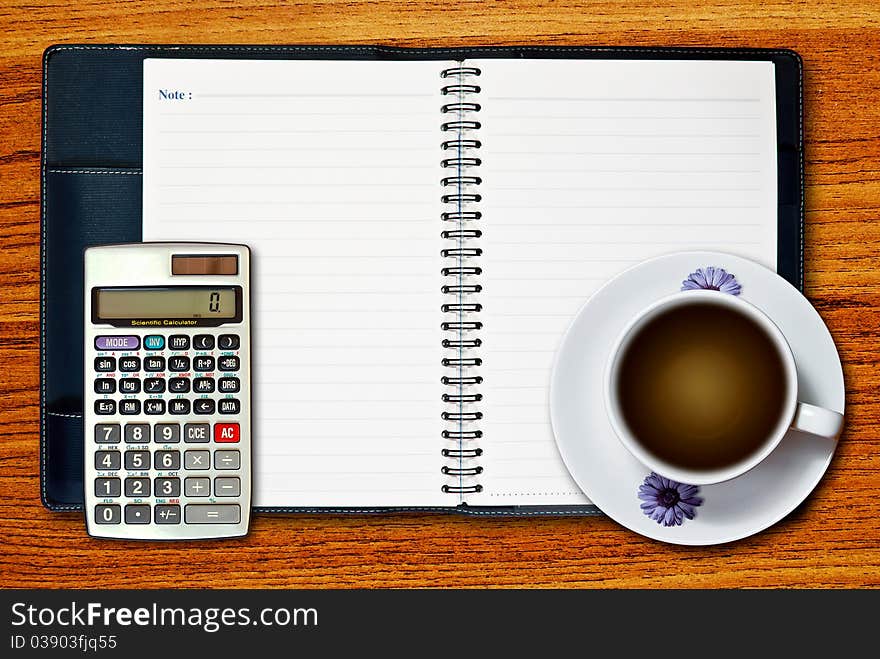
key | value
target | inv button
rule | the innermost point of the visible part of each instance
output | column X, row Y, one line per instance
column 213, row 514
column 154, row 342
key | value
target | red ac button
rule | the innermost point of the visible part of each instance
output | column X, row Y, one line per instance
column 226, row 433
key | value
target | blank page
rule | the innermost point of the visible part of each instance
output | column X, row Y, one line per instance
column 329, row 170
column 590, row 167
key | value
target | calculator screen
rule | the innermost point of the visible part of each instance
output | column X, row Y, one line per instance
column 169, row 302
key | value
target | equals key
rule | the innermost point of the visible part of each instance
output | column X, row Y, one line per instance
column 213, row 514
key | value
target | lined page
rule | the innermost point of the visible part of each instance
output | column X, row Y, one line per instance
column 590, row 167
column 329, row 170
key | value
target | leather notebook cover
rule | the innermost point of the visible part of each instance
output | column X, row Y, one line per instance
column 91, row 183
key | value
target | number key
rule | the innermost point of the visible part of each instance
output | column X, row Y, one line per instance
column 105, row 514
column 137, row 460
column 137, row 487
column 107, row 433
column 137, row 433
column 108, row 487
column 167, row 487
column 166, row 433
column 108, row 460
column 168, row 460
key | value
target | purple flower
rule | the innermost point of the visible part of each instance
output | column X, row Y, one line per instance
column 668, row 502
column 712, row 279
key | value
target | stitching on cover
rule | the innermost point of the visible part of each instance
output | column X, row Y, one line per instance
column 539, row 494
column 438, row 51
column 803, row 208
column 590, row 510
column 537, row 513
column 43, row 443
column 66, row 416
column 97, row 172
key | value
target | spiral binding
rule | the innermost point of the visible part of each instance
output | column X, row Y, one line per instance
column 462, row 288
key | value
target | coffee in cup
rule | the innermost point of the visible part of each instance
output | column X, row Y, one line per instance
column 702, row 386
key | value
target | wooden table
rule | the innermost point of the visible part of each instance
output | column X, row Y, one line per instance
column 831, row 540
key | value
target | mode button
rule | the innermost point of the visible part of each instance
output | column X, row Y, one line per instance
column 117, row 343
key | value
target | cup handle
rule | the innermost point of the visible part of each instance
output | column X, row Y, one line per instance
column 817, row 421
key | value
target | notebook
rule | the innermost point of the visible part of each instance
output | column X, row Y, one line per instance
column 424, row 227
column 423, row 234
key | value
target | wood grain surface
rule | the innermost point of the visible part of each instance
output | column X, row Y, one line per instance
column 832, row 540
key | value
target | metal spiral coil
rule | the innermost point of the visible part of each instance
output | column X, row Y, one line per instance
column 461, row 288
column 462, row 489
column 466, row 453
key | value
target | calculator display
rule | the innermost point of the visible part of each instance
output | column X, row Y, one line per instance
column 173, row 302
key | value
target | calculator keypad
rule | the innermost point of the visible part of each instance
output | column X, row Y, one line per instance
column 171, row 386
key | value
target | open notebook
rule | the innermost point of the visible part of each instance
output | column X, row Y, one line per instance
column 423, row 232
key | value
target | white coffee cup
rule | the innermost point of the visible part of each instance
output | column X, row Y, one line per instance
column 823, row 423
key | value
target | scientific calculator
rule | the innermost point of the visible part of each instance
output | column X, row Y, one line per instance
column 167, row 391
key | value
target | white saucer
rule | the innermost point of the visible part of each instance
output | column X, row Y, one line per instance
column 610, row 476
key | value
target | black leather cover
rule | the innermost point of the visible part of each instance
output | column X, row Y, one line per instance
column 91, row 195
